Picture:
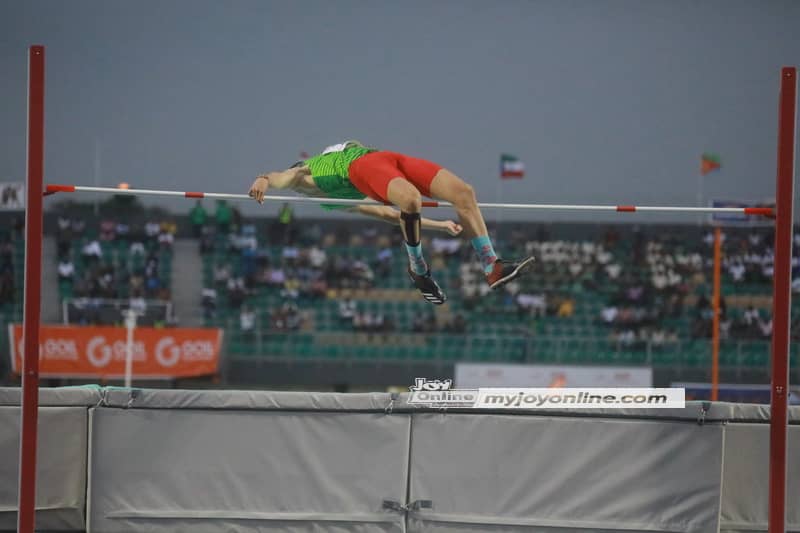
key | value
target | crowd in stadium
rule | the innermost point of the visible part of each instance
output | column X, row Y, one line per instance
column 10, row 238
column 112, row 261
column 643, row 281
column 7, row 290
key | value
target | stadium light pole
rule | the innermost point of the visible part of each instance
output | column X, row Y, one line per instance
column 130, row 326
column 781, row 299
column 715, row 305
column 32, row 300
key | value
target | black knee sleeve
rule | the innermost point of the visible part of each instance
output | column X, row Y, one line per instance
column 411, row 223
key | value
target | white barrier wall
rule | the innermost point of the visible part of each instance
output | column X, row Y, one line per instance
column 61, row 459
column 221, row 461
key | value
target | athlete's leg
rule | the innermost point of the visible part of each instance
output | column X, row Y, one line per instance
column 408, row 199
column 378, row 176
column 449, row 187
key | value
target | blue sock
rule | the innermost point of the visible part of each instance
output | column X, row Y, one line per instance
column 485, row 250
column 418, row 264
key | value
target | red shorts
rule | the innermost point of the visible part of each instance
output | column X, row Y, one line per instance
column 371, row 173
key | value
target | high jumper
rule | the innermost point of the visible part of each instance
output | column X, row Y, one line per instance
column 351, row 170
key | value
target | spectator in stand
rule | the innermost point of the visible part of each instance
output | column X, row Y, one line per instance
column 446, row 246
column 613, row 271
column 137, row 282
column 290, row 255
column 223, row 216
column 92, row 251
column 122, row 231
column 63, row 224
column 106, row 283
column 209, row 302
column 287, row 317
column 66, row 270
column 236, row 292
column 151, row 232
column 247, row 323
column 152, row 286
column 107, row 230
column 317, row 287
column 737, row 271
column 63, row 236
column 248, row 253
column 626, row 338
column 317, row 257
column 207, row 240
column 165, row 240
column 609, row 314
column 151, row 266
column 222, row 273
column 78, row 226
column 566, row 308
column 657, row 338
column 198, row 217
column 765, row 328
column 137, row 303
column 137, row 247
column 347, row 310
column 275, row 277
column 751, row 317
column 285, row 218
column 291, row 288
column 535, row 304
column 383, row 262
column 363, row 273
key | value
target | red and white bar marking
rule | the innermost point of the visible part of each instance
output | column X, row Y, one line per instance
column 763, row 211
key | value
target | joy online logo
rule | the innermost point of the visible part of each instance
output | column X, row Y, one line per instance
column 421, row 384
column 438, row 392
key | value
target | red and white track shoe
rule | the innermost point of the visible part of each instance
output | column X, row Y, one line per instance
column 505, row 271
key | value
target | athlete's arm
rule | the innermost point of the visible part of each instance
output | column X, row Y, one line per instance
column 285, row 179
column 392, row 216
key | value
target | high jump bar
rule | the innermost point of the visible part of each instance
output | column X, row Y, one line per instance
column 762, row 211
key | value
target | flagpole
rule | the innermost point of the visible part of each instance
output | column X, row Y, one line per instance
column 501, row 185
column 700, row 195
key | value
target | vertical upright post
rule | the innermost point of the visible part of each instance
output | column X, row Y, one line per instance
column 781, row 300
column 130, row 325
column 33, row 280
column 715, row 306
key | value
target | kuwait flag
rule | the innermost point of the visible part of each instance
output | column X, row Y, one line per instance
column 511, row 167
column 709, row 162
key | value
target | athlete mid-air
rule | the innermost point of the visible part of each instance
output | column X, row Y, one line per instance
column 352, row 170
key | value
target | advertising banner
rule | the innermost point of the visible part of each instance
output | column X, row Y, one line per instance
column 89, row 351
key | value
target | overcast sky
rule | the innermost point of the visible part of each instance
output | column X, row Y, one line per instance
column 604, row 101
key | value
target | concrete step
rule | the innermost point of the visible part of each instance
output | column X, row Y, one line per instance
column 187, row 281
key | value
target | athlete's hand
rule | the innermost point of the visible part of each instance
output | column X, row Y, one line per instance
column 451, row 227
column 259, row 187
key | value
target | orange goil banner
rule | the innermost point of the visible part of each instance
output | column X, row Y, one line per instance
column 99, row 351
